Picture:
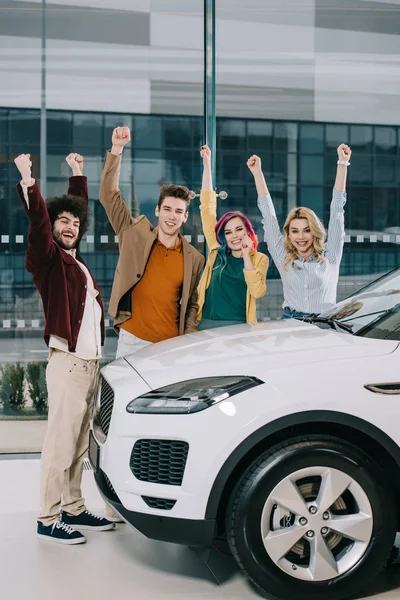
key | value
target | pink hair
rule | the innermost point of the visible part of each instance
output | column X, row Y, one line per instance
column 220, row 226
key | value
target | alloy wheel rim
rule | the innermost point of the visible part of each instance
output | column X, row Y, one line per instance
column 317, row 523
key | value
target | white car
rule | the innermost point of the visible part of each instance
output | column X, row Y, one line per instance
column 283, row 437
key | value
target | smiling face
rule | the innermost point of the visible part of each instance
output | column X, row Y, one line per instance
column 66, row 230
column 301, row 237
column 235, row 231
column 172, row 214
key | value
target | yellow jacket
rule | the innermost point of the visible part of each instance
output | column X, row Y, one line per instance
column 255, row 280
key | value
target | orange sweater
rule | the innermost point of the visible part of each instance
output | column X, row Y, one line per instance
column 155, row 299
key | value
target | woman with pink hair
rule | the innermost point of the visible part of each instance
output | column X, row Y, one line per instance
column 235, row 273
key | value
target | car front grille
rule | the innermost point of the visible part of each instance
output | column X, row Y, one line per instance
column 106, row 405
column 159, row 461
column 160, row 503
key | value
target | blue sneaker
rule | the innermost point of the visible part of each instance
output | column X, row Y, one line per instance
column 86, row 520
column 59, row 532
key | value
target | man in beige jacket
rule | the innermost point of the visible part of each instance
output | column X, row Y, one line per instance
column 154, row 294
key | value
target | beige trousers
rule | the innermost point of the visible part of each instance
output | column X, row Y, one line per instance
column 71, row 383
column 127, row 344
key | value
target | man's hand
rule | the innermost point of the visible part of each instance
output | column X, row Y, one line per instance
column 24, row 166
column 344, row 152
column 120, row 137
column 205, row 154
column 254, row 164
column 75, row 161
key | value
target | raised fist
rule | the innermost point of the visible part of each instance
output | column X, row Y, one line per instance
column 344, row 152
column 254, row 164
column 24, row 165
column 75, row 161
column 121, row 136
column 247, row 245
column 205, row 154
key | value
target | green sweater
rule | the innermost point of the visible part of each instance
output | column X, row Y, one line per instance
column 226, row 294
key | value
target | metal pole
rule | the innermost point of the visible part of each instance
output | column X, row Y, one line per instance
column 209, row 133
column 43, row 116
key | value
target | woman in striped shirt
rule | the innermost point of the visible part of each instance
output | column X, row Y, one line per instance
column 308, row 266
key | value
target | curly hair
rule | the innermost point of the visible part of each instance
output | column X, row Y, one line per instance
column 72, row 204
column 317, row 230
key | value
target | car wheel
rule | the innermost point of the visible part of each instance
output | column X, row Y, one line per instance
column 312, row 518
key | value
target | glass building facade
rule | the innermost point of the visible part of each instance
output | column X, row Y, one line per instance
column 280, row 88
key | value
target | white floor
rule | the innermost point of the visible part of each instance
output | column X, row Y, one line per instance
column 117, row 565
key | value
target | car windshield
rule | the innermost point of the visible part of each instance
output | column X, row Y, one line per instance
column 374, row 311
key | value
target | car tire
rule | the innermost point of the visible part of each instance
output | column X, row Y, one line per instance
column 283, row 495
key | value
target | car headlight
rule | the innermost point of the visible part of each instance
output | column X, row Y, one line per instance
column 191, row 396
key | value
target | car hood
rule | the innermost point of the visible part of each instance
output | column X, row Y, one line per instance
column 248, row 350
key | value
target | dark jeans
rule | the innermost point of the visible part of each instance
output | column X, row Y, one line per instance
column 212, row 324
column 290, row 313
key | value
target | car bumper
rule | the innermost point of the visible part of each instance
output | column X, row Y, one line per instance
column 187, row 532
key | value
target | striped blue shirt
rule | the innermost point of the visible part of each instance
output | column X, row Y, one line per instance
column 311, row 287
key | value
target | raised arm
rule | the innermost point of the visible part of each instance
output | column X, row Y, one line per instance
column 77, row 183
column 208, row 201
column 117, row 211
column 256, row 277
column 336, row 233
column 40, row 236
column 272, row 233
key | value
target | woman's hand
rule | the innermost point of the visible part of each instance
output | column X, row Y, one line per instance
column 254, row 164
column 205, row 154
column 206, row 183
column 247, row 245
column 344, row 152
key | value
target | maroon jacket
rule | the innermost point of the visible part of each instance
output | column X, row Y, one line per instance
column 60, row 282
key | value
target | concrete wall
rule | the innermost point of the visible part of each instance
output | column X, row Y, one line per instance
column 310, row 60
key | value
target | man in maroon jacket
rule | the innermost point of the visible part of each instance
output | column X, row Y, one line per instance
column 74, row 332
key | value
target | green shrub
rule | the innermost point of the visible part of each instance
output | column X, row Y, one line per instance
column 12, row 388
column 36, row 379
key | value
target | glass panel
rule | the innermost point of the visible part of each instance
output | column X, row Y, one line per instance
column 87, row 130
column 24, row 126
column 385, row 169
column 311, row 139
column 178, row 132
column 179, row 166
column 230, row 167
column 313, row 197
column 359, row 208
column 386, row 140
column 4, row 139
column 336, row 135
column 259, row 136
column 148, row 132
column 285, row 137
column 231, row 134
column 59, row 129
column 361, row 138
column 386, row 210
column 361, row 169
column 311, row 170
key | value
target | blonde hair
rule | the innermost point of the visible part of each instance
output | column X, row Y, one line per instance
column 317, row 230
